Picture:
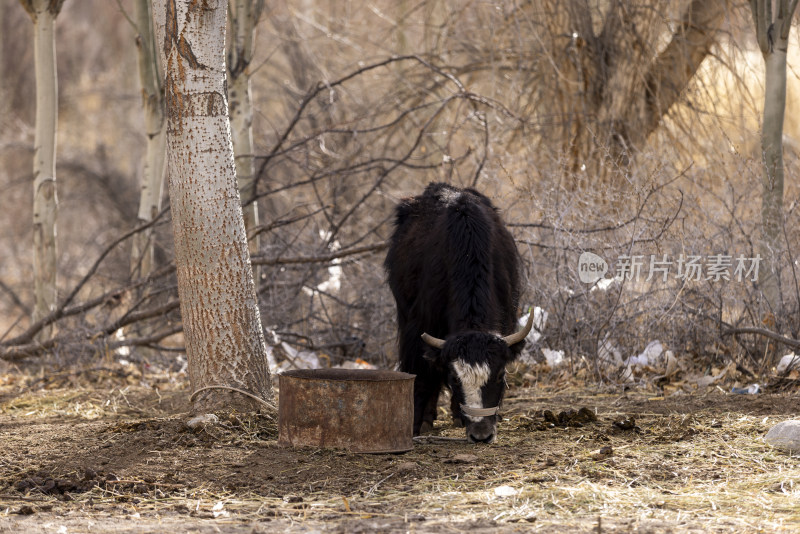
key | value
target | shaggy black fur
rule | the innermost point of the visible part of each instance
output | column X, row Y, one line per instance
column 454, row 271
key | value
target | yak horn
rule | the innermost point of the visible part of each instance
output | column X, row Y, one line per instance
column 512, row 339
column 519, row 336
column 434, row 342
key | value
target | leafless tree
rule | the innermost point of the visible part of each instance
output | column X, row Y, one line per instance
column 45, row 201
column 152, row 184
column 244, row 16
column 593, row 79
column 772, row 34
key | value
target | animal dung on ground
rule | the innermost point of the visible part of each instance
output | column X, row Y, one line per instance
column 361, row 410
column 462, row 459
column 567, row 418
column 628, row 423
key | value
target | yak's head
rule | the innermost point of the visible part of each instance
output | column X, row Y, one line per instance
column 476, row 370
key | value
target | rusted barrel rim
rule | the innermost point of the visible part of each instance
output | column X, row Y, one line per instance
column 373, row 375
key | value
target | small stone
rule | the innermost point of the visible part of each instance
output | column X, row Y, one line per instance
column 602, row 453
column 785, row 435
column 405, row 467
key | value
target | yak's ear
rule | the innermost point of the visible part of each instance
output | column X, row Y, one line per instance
column 512, row 352
column 432, row 355
column 432, row 351
column 437, row 356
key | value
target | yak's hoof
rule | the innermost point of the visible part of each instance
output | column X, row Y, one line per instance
column 457, row 422
column 426, row 427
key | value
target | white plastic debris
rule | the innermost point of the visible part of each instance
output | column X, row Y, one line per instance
column 707, row 380
column 298, row 359
column 202, row 420
column 603, row 284
column 283, row 357
column 355, row 364
column 505, row 491
column 526, row 357
column 119, row 335
column 219, row 510
column 333, row 283
column 184, row 363
column 539, row 320
column 752, row 389
column 635, row 364
column 788, row 362
column 649, row 355
column 608, row 352
column 785, row 435
column 554, row 357
column 653, row 359
column 271, row 361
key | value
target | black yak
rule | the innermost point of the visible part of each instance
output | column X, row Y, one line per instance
column 454, row 271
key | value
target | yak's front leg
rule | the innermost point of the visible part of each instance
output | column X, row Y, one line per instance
column 426, row 396
column 455, row 410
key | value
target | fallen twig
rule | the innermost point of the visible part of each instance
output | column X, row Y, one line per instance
column 789, row 342
column 438, row 439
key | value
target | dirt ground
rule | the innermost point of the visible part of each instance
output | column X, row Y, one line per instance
column 109, row 455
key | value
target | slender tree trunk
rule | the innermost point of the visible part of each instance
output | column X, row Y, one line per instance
column 772, row 180
column 45, row 201
column 221, row 322
column 143, row 249
column 4, row 89
column 244, row 15
column 772, row 34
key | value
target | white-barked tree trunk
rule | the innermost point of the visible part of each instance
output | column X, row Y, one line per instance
column 45, row 200
column 152, row 185
column 221, row 322
column 244, row 16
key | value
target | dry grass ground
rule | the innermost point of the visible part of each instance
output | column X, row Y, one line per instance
column 105, row 456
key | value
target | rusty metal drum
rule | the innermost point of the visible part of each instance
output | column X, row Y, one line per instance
column 361, row 410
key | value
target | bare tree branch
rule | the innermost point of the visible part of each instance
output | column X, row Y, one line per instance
column 17, row 352
column 15, row 298
column 789, row 342
column 260, row 260
column 677, row 64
